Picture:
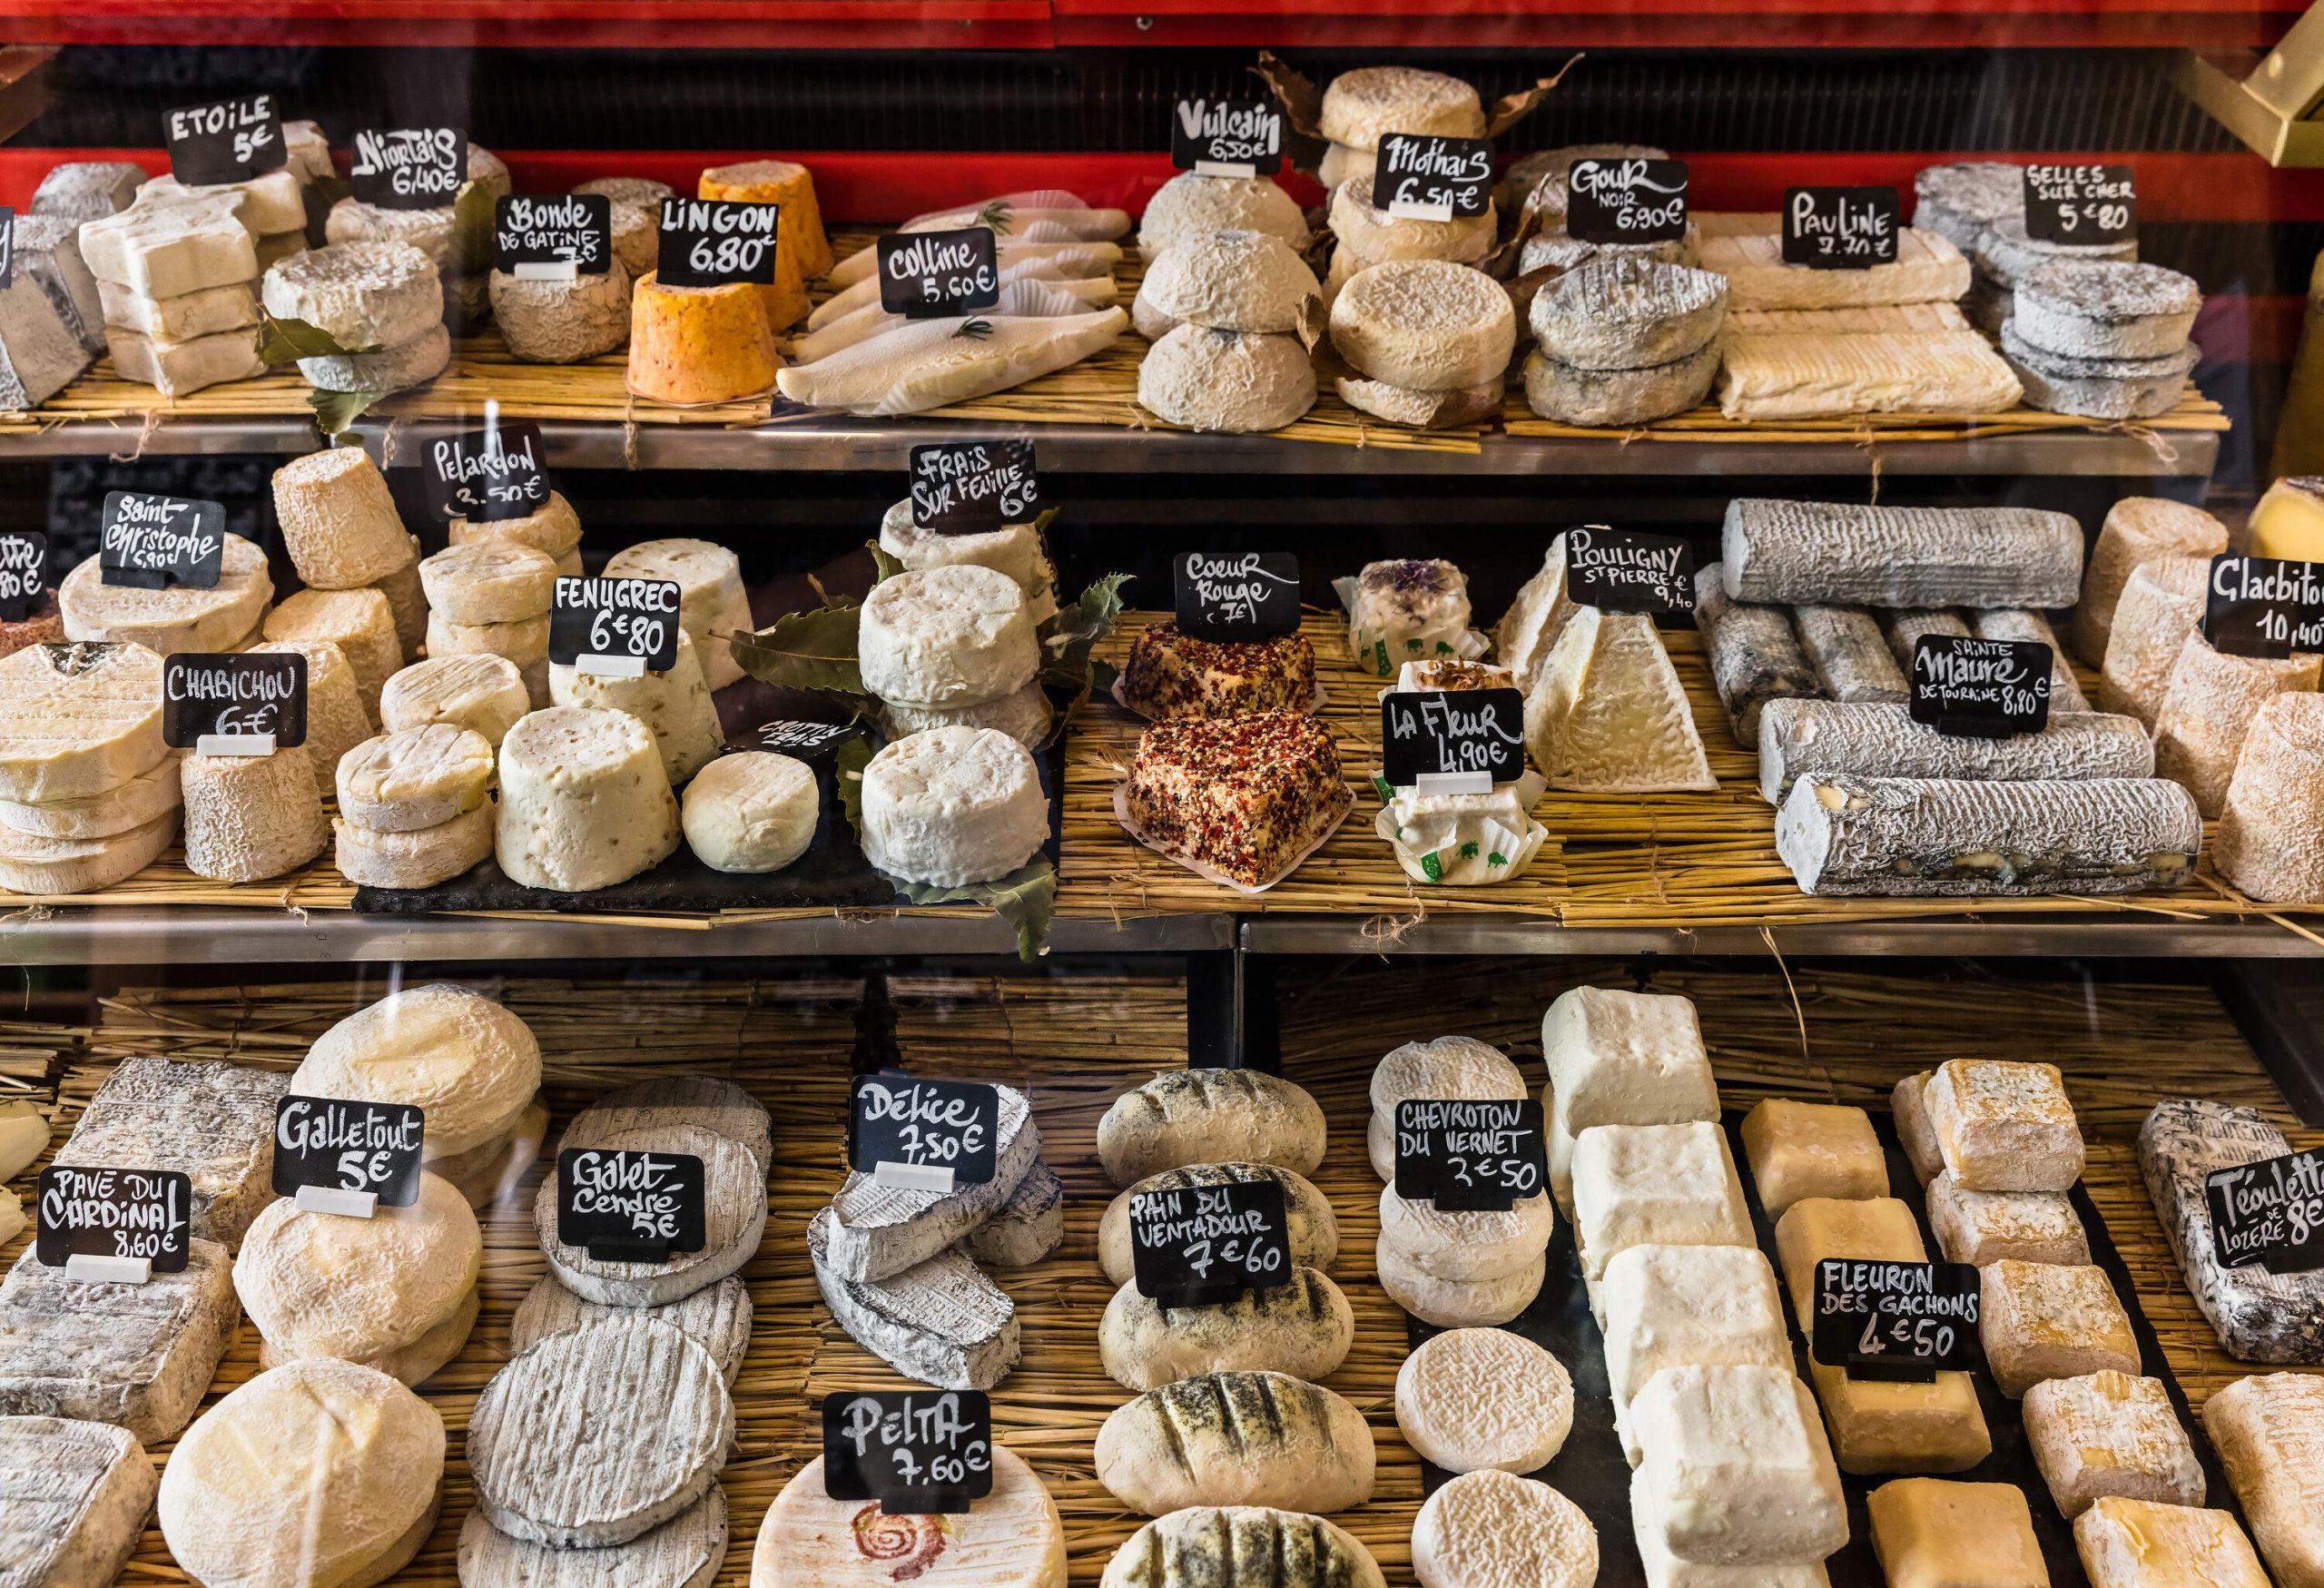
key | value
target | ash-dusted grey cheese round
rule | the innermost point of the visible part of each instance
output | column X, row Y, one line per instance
column 1027, row 1227
column 1473, row 1398
column 949, row 635
column 717, row 1106
column 1236, row 1439
column 1224, row 280
column 941, row 1322
column 1302, row 1328
column 1192, row 205
column 1241, row 1546
column 1958, row 202
column 2007, row 253
column 140, row 1356
column 391, row 368
column 1614, row 398
column 1425, row 323
column 1310, row 1227
column 1538, row 182
column 1226, row 382
column 734, row 1208
column 2100, row 388
column 877, row 1230
column 716, row 1317
column 2106, row 309
column 1458, row 1304
column 594, row 1437
column 952, row 806
column 1561, row 248
column 73, row 1497
column 1210, row 1116
column 751, row 812
column 685, row 1551
column 562, row 322
column 1626, row 312
column 1373, row 235
column 364, row 296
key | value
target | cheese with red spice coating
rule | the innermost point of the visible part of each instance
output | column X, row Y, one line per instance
column 1169, row 675
column 1245, row 797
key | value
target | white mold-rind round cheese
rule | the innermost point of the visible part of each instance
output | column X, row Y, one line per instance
column 1452, row 1304
column 1025, row 716
column 320, row 1284
column 181, row 618
column 414, row 778
column 1493, row 1529
column 717, row 1318
column 563, row 323
column 1224, row 280
column 685, row 1551
column 362, row 295
column 470, row 1064
column 488, row 581
column 391, row 368
column 81, row 720
column 1191, row 204
column 951, row 635
column 953, row 806
column 39, row 867
column 752, row 811
column 1473, row 1398
column 1225, row 381
column 583, row 801
column 1014, row 549
column 553, row 527
column 1466, row 1245
column 476, row 690
column 1629, row 313
column 1362, row 106
column 1425, row 323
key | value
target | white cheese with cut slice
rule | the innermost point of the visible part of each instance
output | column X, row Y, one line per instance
column 1607, row 711
column 876, row 1230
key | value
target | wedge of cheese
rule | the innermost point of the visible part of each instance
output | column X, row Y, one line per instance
column 1607, row 713
column 932, row 362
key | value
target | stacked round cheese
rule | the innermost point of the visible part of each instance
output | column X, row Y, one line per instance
column 1191, row 204
column 2104, row 339
column 1429, row 341
column 583, row 801
column 953, row 645
column 413, row 810
column 381, row 302
column 553, row 528
column 341, row 525
column 1015, row 549
column 1367, row 235
column 1624, row 339
column 476, row 690
column 1455, row 1269
column 673, row 703
column 1363, row 107
column 435, row 232
column 1223, row 310
column 89, row 794
column 490, row 595
column 952, row 806
column 713, row 605
column 181, row 618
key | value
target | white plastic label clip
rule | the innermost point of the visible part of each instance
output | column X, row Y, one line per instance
column 610, row 667
column 331, row 1199
column 90, row 1268
column 1454, row 783
column 234, row 745
column 912, row 1176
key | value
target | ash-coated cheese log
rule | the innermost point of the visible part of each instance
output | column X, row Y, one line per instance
column 1797, row 738
column 1755, row 657
column 73, row 1497
column 1025, row 1228
column 1210, row 1116
column 942, row 1322
column 877, row 1230
column 1902, row 836
column 1850, row 656
column 1908, row 627
column 1311, row 1228
column 2277, row 1319
column 1241, row 1546
column 1794, row 552
column 2016, row 623
column 1253, row 1438
column 1303, row 1328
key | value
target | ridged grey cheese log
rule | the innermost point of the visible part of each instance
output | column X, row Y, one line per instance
column 214, row 1122
column 1799, row 738
column 136, row 1355
column 1907, row 625
column 1794, row 552
column 1755, row 657
column 1310, row 1227
column 942, row 1323
column 1027, row 1227
column 877, row 1230
column 594, row 1437
column 2017, row 623
column 48, row 250
column 716, row 1317
column 2107, row 309
column 40, row 352
column 1241, row 1546
column 73, row 1497
column 2272, row 1319
column 1304, row 1329
column 734, row 1217
column 1850, row 656
column 715, row 1105
column 1909, row 838
column 1236, row 1439
column 685, row 1551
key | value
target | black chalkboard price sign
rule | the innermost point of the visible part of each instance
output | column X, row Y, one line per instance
column 1973, row 688
column 624, row 1207
column 138, row 1216
column 228, row 140
column 1475, row 735
column 2271, row 1213
column 229, row 702
column 923, row 1135
column 1841, row 228
column 1903, row 1322
column 1470, row 1154
column 709, row 242
column 553, row 237
column 620, row 628
column 933, row 275
column 2081, row 203
column 24, row 571
column 364, row 1150
column 812, row 743
column 973, row 487
column 1622, row 571
column 2263, row 606
column 1633, row 199
column 1226, row 137
column 154, row 541
column 1200, row 1245
column 489, row 475
column 1428, row 178
column 1236, row 597
column 917, row 1451
column 408, row 168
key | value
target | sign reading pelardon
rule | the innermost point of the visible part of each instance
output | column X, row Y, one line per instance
column 2081, row 203
column 708, row 242
column 1470, row 1154
column 1235, row 596
column 1472, row 737
column 923, row 1135
column 1627, row 200
column 155, row 541
column 973, row 487
column 1429, row 178
column 1226, row 137
column 488, row 475
column 408, row 168
column 931, row 275
column 231, row 140
column 618, row 629
column 1840, row 228
column 2264, row 606
column 548, row 237
column 1968, row 689
column 1899, row 1321
column 235, row 703
column 631, row 1207
column 1200, row 1245
column 372, row 1150
column 138, row 1215
column 1621, row 570
column 2271, row 1213
column 917, row 1451
column 24, row 571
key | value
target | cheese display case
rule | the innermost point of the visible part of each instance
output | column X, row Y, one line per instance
column 741, row 745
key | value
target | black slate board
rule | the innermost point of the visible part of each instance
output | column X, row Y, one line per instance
column 1591, row 1471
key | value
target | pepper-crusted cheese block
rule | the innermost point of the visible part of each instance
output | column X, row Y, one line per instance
column 2137, row 531
column 1236, row 1439
column 2259, row 1315
column 1245, row 797
column 1310, row 1227
column 553, row 528
column 2271, row 824
column 488, row 580
column 1736, row 1471
column 1011, row 1538
column 181, row 618
column 941, row 1322
column 1302, row 1327
column 563, row 322
column 361, row 623
column 476, row 690
column 713, row 605
column 165, row 248
column 1747, row 250
column 1493, row 1526
column 1471, row 1399
column 674, row 703
column 952, row 806
column 362, row 295
column 2161, row 604
column 2208, row 707
column 2110, row 1433
column 73, row 1497
column 468, row 1063
column 1799, row 738
column 139, row 1357
column 1679, row 1305
column 1755, row 658
column 413, row 778
column 2137, row 1544
column 583, row 801
column 1607, row 711
column 2270, row 1433
column 1899, row 556
column 2051, row 1320
column 214, row 1122
column 81, row 720
column 752, row 811
column 314, row 1471
column 1425, row 323
column 876, row 1230
column 251, row 817
column 1169, row 674
column 691, row 345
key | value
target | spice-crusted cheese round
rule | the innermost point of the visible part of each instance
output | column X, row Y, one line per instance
column 488, row 581
column 320, row 1284
column 1225, row 381
column 339, row 519
column 713, row 603
column 751, row 812
column 1169, row 674
column 1014, row 549
column 476, row 690
column 674, row 702
column 181, row 618
column 1373, row 235
column 1473, row 1398
column 583, row 801
column 469, row 1063
column 953, row 806
column 1224, row 280
column 362, row 295
column 81, row 720
column 1192, row 205
column 950, row 635
column 1425, row 323
column 413, row 778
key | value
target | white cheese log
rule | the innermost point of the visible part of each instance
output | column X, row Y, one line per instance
column 1797, row 738
column 1850, row 656
column 1053, row 261
column 1755, row 657
column 583, row 801
column 674, row 702
column 1900, row 557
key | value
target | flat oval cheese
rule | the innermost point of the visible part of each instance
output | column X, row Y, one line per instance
column 81, row 720
column 685, row 1551
column 716, row 1317
column 1012, row 1538
column 318, row 1284
column 73, row 1499
column 413, row 778
column 181, row 618
column 735, row 1198
column 717, row 1106
column 470, row 1063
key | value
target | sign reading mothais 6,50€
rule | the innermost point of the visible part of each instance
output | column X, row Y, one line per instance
column 917, row 1451
column 1429, row 178
column 923, row 1135
column 710, row 242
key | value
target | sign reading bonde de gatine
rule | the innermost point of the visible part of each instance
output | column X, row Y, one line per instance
column 917, row 1451
column 553, row 236
column 2271, row 1213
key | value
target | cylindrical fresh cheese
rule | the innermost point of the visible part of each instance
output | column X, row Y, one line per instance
column 713, row 605
column 674, row 703
column 524, row 642
column 751, row 812
column 81, row 720
column 339, row 521
column 470, row 1063
column 477, row 690
column 321, row 1284
column 1025, row 715
column 562, row 322
column 2137, row 530
column 337, row 720
column 251, row 817
column 952, row 635
column 408, row 604
column 1012, row 1538
column 553, row 528
column 181, row 618
column 1466, row 1245
column 583, row 801
column 150, row 794
column 1193, row 205
column 1374, row 236
column 390, row 369
column 1425, row 323
column 40, row 867
column 413, row 778
column 361, row 623
column 691, row 345
column 1226, row 382
column 317, row 1471
column 491, row 580
column 1014, row 549
column 1360, row 107
column 953, row 806
column 1458, row 1304
column 364, row 296
column 1225, row 280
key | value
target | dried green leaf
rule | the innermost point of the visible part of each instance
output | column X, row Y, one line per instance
column 1026, row 899
column 885, row 565
column 1068, row 640
column 336, row 411
column 996, row 217
column 807, row 650
column 472, row 243
column 851, row 758
column 287, row 341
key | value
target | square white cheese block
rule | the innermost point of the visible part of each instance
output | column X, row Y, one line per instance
column 1646, row 1185
column 1619, row 1058
column 1688, row 1306
column 1736, row 1469
column 1665, row 1570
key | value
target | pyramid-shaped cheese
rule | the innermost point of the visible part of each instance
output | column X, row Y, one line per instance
column 1528, row 631
column 1607, row 714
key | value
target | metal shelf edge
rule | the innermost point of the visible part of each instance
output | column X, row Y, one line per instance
column 2002, row 937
